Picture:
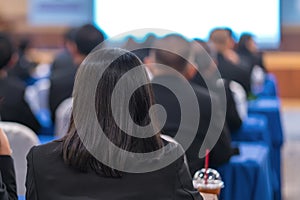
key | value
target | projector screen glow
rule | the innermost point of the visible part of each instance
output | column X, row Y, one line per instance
column 192, row 18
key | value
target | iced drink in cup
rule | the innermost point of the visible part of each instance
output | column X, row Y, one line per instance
column 211, row 184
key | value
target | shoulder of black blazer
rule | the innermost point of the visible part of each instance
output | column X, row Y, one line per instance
column 8, row 188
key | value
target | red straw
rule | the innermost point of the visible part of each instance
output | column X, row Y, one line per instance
column 206, row 165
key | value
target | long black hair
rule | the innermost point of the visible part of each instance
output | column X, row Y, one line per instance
column 74, row 152
column 242, row 44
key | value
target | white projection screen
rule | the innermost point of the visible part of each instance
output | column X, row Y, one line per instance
column 192, row 18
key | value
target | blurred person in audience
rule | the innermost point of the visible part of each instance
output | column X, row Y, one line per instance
column 24, row 65
column 130, row 43
column 65, row 169
column 63, row 62
column 207, row 69
column 229, row 64
column 249, row 53
column 86, row 39
column 142, row 51
column 222, row 151
column 232, row 38
column 247, row 50
column 13, row 106
column 8, row 186
column 204, row 64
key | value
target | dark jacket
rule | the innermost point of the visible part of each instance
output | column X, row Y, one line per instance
column 251, row 59
column 222, row 150
column 13, row 107
column 233, row 119
column 8, row 187
column 49, row 178
column 61, row 88
column 63, row 62
column 232, row 72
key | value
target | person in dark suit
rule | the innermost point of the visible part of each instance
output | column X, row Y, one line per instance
column 249, row 53
column 24, row 67
column 63, row 61
column 84, row 165
column 230, row 66
column 208, row 69
column 8, row 187
column 247, row 50
column 13, row 106
column 222, row 150
column 86, row 38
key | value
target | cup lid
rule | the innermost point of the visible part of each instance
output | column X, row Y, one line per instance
column 213, row 179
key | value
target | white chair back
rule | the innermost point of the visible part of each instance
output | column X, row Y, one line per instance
column 240, row 98
column 31, row 97
column 21, row 140
column 62, row 117
column 43, row 87
column 257, row 79
column 37, row 95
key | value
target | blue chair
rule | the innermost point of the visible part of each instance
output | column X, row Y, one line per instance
column 254, row 129
column 270, row 108
column 21, row 197
column 248, row 176
column 270, row 88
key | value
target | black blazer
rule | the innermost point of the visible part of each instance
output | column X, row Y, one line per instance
column 233, row 119
column 222, row 151
column 13, row 107
column 49, row 178
column 63, row 61
column 8, row 187
column 252, row 59
column 61, row 87
column 233, row 72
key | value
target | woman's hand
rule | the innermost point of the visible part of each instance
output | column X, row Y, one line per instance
column 4, row 144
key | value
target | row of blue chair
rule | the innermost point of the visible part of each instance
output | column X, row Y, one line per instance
column 256, row 172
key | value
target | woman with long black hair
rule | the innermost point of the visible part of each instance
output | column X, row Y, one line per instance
column 113, row 149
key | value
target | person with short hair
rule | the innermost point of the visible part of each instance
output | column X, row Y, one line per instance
column 229, row 64
column 13, row 106
column 178, row 60
column 63, row 61
column 86, row 38
column 208, row 70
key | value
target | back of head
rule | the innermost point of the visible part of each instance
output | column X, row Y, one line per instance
column 231, row 33
column 243, row 42
column 70, row 34
column 6, row 50
column 87, row 38
column 203, row 44
column 144, row 48
column 111, row 65
column 219, row 36
column 172, row 51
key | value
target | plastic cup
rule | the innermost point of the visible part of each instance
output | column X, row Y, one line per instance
column 213, row 185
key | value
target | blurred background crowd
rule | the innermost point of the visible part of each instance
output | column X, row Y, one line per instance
column 38, row 69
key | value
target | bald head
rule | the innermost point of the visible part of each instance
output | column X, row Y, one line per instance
column 172, row 51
